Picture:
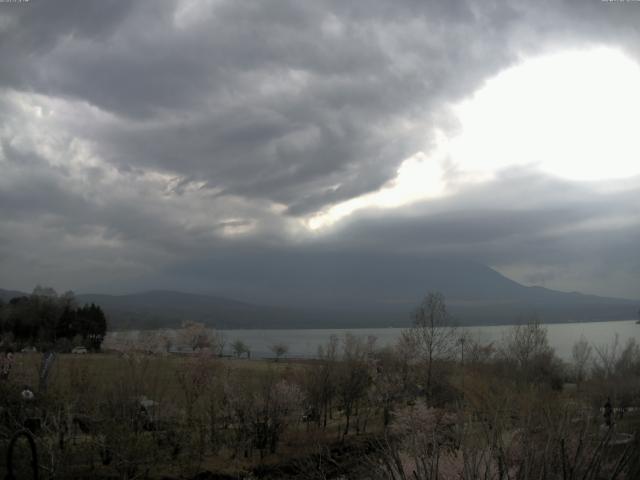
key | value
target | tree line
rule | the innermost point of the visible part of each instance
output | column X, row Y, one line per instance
column 47, row 320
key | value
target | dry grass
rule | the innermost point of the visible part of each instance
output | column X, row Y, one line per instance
column 100, row 369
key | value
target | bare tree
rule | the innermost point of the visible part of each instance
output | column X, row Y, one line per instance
column 581, row 354
column 421, row 446
column 239, row 348
column 153, row 342
column 321, row 386
column 606, row 358
column 193, row 377
column 196, row 335
column 433, row 335
column 352, row 377
column 279, row 349
column 218, row 342
column 527, row 347
column 629, row 359
column 390, row 381
column 275, row 405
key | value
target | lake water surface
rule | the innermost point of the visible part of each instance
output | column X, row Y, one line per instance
column 305, row 342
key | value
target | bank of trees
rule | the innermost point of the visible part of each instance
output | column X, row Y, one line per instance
column 49, row 321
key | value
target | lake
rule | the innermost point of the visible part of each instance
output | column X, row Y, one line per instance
column 305, row 342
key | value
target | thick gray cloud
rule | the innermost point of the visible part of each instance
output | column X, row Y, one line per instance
column 138, row 137
column 537, row 229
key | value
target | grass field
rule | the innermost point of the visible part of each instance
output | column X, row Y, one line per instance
column 185, row 391
column 136, row 415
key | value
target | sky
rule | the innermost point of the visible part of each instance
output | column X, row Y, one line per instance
column 142, row 140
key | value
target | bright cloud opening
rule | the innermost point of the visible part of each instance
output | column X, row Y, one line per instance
column 573, row 114
column 418, row 177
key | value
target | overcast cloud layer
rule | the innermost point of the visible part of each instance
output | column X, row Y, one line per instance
column 140, row 138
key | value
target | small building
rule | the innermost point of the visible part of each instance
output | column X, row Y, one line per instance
column 182, row 350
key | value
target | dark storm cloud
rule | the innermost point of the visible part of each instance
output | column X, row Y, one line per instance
column 138, row 136
column 29, row 33
column 303, row 104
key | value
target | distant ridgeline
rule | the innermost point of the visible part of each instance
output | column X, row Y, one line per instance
column 48, row 321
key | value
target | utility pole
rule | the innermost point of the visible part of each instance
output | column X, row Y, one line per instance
column 462, row 340
column 462, row 408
